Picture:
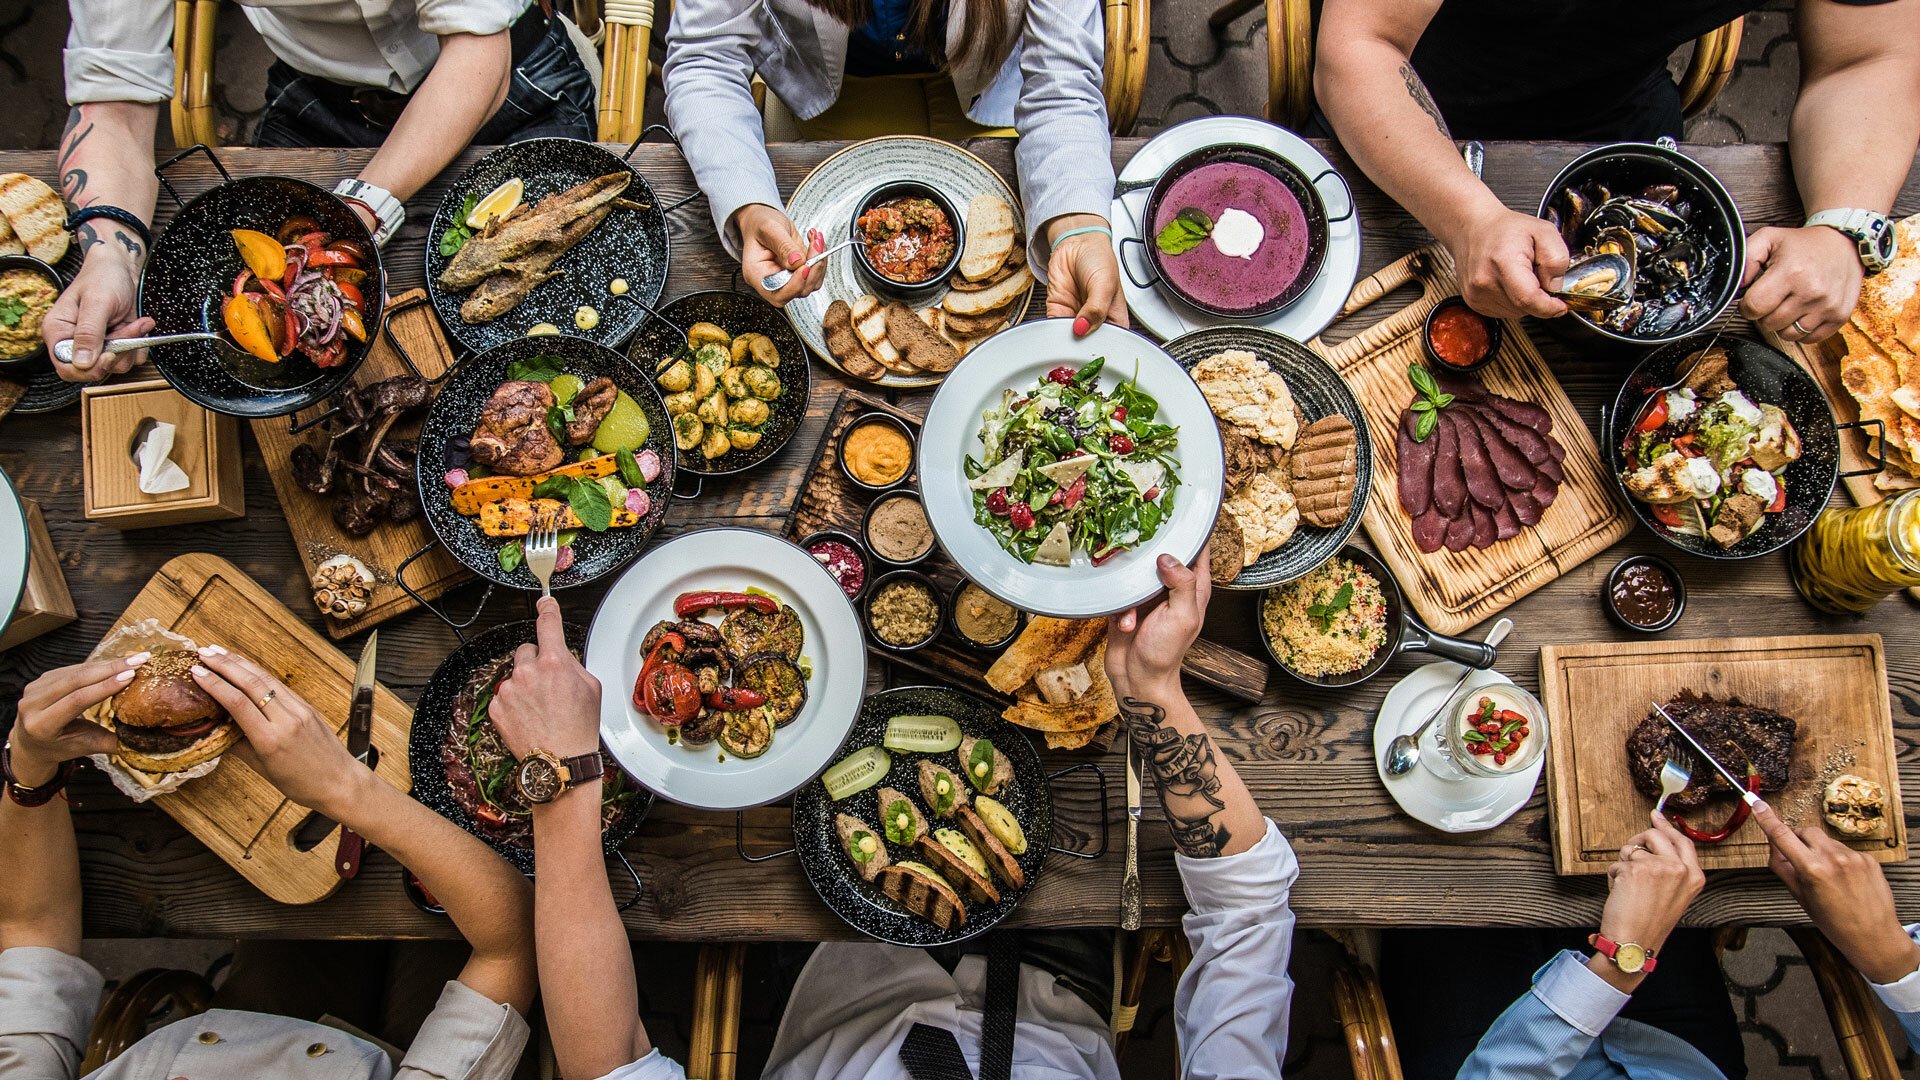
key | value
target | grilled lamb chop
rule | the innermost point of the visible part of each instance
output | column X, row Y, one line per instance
column 512, row 436
column 1736, row 733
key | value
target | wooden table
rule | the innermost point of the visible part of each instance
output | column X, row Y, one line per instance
column 1305, row 753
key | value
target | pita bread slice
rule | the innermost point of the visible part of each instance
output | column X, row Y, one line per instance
column 989, row 237
column 1044, row 643
column 1040, row 716
column 1069, row 740
column 9, row 243
column 37, row 216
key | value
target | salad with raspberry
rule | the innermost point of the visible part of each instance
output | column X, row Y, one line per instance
column 1066, row 467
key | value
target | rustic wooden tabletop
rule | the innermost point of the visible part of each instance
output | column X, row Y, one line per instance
column 1306, row 753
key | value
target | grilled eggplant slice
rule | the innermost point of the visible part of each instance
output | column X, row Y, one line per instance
column 778, row 677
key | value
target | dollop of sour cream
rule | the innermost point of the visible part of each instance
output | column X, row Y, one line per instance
column 1237, row 233
column 1680, row 405
column 1760, row 484
column 1743, row 409
column 1702, row 478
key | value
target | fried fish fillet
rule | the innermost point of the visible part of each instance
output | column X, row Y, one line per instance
column 504, row 240
column 513, row 280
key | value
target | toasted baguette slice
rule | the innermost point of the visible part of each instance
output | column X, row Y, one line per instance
column 976, row 303
column 1016, row 259
column 989, row 237
column 36, row 214
column 1004, row 865
column 924, row 894
column 845, row 344
column 870, row 323
column 955, row 869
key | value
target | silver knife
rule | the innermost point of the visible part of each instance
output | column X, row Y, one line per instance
column 1130, row 885
column 1749, row 797
column 359, row 738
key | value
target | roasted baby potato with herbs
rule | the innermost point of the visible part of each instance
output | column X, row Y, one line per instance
column 733, row 381
column 716, row 442
column 703, row 381
column 712, row 408
column 714, row 358
column 758, row 348
column 751, row 411
column 678, row 375
column 702, row 333
column 744, row 438
column 688, row 431
column 682, row 402
column 761, row 382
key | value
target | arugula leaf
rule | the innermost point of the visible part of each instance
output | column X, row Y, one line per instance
column 540, row 368
column 512, row 553
column 12, row 311
column 629, row 467
column 1085, row 376
column 1141, row 406
column 1184, row 232
column 1334, row 606
column 455, row 236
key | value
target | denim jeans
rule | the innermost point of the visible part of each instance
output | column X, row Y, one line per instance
column 550, row 94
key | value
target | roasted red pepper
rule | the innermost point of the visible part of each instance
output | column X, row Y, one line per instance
column 670, row 693
column 735, row 699
column 690, row 604
column 1738, row 818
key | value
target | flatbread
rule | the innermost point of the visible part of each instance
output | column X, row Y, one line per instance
column 9, row 243
column 1044, row 643
column 1266, row 512
column 1248, row 396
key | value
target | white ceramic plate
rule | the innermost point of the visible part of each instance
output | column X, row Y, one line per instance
column 827, row 198
column 13, row 550
column 1456, row 806
column 1157, row 310
column 1017, row 358
column 727, row 560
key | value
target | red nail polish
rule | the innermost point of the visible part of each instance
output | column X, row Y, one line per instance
column 1081, row 327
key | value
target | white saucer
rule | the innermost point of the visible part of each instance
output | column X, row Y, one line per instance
column 1314, row 310
column 1455, row 806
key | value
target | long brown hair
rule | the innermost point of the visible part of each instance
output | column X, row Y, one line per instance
column 985, row 33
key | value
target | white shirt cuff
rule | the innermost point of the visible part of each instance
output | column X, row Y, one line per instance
column 96, row 74
column 468, row 1034
column 1902, row 995
column 655, row 1066
column 1253, row 878
column 1576, row 994
column 47, row 992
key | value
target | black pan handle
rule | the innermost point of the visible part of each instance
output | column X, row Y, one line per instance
column 1415, row 637
column 1125, row 187
column 675, row 140
column 160, row 170
column 1344, row 186
column 1127, row 267
column 740, row 841
column 1877, row 441
column 1105, row 820
column 400, row 577
column 639, row 889
column 699, row 484
column 652, row 312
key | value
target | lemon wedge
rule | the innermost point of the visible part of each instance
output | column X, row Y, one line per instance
column 500, row 200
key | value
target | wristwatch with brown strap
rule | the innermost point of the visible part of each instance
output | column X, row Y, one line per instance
column 31, row 796
column 1629, row 956
column 542, row 777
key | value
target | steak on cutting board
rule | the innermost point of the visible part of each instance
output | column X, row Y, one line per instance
column 1732, row 731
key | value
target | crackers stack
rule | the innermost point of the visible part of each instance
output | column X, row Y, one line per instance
column 1881, row 368
column 33, row 220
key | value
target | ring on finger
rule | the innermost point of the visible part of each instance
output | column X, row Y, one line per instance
column 1801, row 330
column 265, row 701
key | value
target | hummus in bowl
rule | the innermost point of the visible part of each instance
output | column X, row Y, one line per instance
column 28, row 288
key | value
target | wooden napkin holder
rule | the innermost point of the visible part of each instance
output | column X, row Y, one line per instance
column 45, row 603
column 205, row 444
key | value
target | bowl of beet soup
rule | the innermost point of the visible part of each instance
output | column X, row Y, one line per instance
column 1235, row 230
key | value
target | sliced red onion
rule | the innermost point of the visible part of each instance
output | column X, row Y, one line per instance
column 649, row 463
column 564, row 560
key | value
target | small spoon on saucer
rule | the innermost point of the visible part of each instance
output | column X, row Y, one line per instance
column 1404, row 751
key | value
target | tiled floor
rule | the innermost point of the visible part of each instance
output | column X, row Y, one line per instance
column 1189, row 74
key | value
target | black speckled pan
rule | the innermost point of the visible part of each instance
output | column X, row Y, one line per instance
column 1766, row 377
column 737, row 314
column 192, row 269
column 629, row 244
column 1318, row 391
column 861, row 904
column 434, row 713
column 452, row 416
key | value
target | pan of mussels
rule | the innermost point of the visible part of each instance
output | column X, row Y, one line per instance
column 1655, row 241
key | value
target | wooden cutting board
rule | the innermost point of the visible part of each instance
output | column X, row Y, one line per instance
column 409, row 318
column 1834, row 686
column 235, row 811
column 828, row 500
column 1454, row 592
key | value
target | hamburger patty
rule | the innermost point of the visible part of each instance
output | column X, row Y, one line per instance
column 1732, row 731
column 158, row 742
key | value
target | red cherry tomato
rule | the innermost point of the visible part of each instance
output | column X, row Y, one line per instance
column 1779, row 496
column 1666, row 515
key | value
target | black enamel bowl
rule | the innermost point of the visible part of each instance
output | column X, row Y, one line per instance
column 629, row 244
column 1318, row 391
column 192, row 269
column 935, row 282
column 1312, row 206
column 1766, row 377
column 455, row 411
column 433, row 714
column 860, row 903
column 737, row 314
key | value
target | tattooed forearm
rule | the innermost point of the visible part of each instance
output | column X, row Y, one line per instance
column 73, row 182
column 90, row 238
column 1418, row 91
column 1184, row 773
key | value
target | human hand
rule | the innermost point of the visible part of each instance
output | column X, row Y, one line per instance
column 286, row 741
column 100, row 304
column 1801, row 283
column 48, row 728
column 769, row 243
column 1649, row 889
column 1146, row 644
column 1083, row 276
column 1508, row 263
column 549, row 701
column 1845, row 894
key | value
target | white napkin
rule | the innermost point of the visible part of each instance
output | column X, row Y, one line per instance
column 159, row 473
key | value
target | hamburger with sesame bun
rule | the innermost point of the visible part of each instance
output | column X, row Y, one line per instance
column 165, row 722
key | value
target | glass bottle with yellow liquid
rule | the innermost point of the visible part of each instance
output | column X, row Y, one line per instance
column 1854, row 557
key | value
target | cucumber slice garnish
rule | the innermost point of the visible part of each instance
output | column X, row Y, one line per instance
column 922, row 734
column 856, row 772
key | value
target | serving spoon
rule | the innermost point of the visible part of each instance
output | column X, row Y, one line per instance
column 229, row 353
column 1404, row 751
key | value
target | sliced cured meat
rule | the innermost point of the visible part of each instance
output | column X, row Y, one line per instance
column 1521, row 437
column 1545, row 491
column 1415, row 468
column 1523, row 412
column 1483, row 527
column 1429, row 530
column 1460, row 532
column 1449, row 482
column 1516, row 473
column 1483, row 486
column 1506, row 523
column 1526, row 508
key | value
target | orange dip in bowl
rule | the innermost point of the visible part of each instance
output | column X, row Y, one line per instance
column 877, row 454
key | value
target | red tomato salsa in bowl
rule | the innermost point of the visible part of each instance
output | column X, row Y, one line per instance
column 908, row 239
column 1459, row 337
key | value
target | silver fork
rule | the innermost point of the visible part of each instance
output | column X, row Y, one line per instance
column 541, row 550
column 1673, row 779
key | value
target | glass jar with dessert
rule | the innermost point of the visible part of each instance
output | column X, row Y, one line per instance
column 1487, row 731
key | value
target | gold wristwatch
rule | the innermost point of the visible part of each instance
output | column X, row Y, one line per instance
column 1629, row 956
column 542, row 777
